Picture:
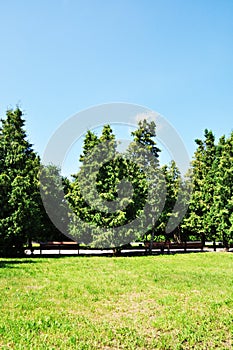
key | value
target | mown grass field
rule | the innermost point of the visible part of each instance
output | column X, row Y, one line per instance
column 182, row 301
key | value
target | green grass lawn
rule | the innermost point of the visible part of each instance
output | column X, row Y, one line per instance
column 182, row 301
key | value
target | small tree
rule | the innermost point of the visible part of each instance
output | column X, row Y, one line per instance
column 175, row 186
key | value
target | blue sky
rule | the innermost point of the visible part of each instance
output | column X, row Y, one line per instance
column 58, row 57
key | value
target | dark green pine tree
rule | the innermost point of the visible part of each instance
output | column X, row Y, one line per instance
column 143, row 152
column 222, row 210
column 19, row 165
column 54, row 209
column 104, row 194
column 174, row 186
column 198, row 221
column 145, row 136
column 92, row 186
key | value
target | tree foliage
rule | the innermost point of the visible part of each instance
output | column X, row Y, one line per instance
column 113, row 198
column 54, row 212
column 175, row 190
column 198, row 221
column 222, row 209
column 210, row 211
column 107, row 193
column 19, row 165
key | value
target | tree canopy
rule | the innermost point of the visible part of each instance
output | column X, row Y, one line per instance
column 19, row 165
column 113, row 198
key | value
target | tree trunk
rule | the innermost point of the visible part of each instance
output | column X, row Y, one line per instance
column 214, row 244
column 152, row 239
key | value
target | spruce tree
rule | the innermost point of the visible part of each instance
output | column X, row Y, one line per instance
column 54, row 211
column 107, row 193
column 144, row 152
column 20, row 214
column 222, row 211
column 174, row 186
column 198, row 221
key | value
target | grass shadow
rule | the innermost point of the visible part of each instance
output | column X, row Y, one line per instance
column 8, row 262
column 132, row 253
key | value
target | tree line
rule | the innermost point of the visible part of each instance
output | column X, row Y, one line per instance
column 113, row 199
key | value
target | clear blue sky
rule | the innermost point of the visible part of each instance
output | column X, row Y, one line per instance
column 58, row 57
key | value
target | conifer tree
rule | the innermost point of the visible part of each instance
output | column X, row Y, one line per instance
column 198, row 221
column 222, row 210
column 174, row 185
column 144, row 152
column 54, row 211
column 107, row 193
column 19, row 165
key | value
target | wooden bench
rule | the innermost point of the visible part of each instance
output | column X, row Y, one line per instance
column 156, row 245
column 187, row 245
column 173, row 245
column 59, row 246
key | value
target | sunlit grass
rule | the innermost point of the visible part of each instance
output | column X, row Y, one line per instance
column 161, row 302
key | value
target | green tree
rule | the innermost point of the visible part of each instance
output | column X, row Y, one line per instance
column 105, row 193
column 198, row 222
column 19, row 165
column 222, row 210
column 175, row 188
column 144, row 152
column 54, row 210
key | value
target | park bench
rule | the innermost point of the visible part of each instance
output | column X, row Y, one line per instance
column 173, row 245
column 187, row 245
column 59, row 246
column 156, row 245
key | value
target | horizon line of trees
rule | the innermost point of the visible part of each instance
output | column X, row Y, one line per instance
column 124, row 187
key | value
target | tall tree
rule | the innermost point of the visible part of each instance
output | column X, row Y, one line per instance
column 198, row 221
column 144, row 152
column 222, row 210
column 19, row 165
column 105, row 193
